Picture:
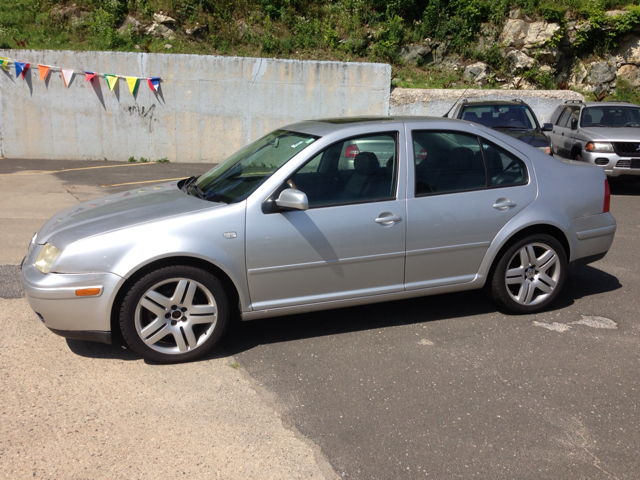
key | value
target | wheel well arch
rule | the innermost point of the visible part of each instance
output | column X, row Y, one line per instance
column 547, row 229
column 575, row 150
column 229, row 287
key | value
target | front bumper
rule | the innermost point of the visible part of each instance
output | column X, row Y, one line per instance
column 53, row 298
column 613, row 164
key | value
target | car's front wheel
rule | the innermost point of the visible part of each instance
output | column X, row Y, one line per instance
column 530, row 274
column 174, row 314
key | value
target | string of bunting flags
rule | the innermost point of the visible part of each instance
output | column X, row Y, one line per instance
column 67, row 75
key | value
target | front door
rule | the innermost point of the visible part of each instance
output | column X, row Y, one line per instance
column 349, row 243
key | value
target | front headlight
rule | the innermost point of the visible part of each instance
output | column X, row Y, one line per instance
column 46, row 257
column 546, row 150
column 598, row 147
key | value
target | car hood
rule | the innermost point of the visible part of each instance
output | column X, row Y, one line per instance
column 611, row 134
column 534, row 138
column 118, row 211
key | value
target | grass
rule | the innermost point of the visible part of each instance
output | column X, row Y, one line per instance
column 342, row 30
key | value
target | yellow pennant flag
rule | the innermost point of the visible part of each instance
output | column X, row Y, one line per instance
column 111, row 80
column 133, row 83
column 44, row 71
column 4, row 61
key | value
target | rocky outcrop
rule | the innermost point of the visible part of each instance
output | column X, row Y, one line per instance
column 630, row 73
column 629, row 50
column 131, row 24
column 519, row 34
column 519, row 61
column 477, row 72
column 414, row 53
column 161, row 31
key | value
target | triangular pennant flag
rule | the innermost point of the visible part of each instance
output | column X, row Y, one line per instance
column 133, row 83
column 67, row 76
column 4, row 62
column 21, row 68
column 44, row 71
column 88, row 76
column 154, row 83
column 111, row 80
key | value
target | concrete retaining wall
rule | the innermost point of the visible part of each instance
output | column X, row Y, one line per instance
column 206, row 109
column 409, row 101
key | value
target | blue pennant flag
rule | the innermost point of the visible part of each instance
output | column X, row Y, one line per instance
column 154, row 83
column 21, row 67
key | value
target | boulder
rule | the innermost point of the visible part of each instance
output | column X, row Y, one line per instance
column 548, row 56
column 477, row 73
column 518, row 60
column 163, row 19
column 615, row 13
column 520, row 34
column 129, row 23
column 196, row 31
column 539, row 33
column 413, row 53
column 600, row 72
column 513, row 33
column 158, row 30
column 630, row 73
column 629, row 50
column 578, row 75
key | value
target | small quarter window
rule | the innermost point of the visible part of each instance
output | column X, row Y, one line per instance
column 504, row 168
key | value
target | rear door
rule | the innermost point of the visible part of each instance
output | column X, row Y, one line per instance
column 459, row 196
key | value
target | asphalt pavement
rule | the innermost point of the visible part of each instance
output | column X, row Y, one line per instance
column 436, row 387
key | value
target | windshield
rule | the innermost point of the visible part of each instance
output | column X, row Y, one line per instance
column 239, row 175
column 610, row 116
column 501, row 116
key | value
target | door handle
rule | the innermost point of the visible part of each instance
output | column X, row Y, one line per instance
column 387, row 219
column 503, row 204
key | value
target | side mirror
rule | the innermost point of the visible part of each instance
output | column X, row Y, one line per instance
column 547, row 127
column 574, row 123
column 291, row 199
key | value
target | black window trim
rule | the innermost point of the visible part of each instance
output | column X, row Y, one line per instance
column 269, row 205
column 481, row 141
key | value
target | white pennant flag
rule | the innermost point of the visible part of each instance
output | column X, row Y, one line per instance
column 67, row 75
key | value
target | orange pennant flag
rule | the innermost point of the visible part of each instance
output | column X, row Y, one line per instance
column 44, row 71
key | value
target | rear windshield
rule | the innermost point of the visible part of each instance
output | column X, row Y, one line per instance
column 501, row 116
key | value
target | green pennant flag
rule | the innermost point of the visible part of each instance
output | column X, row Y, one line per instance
column 111, row 80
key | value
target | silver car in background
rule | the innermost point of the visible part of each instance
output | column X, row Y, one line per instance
column 285, row 226
column 601, row 133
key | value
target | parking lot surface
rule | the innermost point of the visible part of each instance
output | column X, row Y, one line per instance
column 436, row 387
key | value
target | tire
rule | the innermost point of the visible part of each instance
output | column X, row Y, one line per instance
column 174, row 314
column 530, row 274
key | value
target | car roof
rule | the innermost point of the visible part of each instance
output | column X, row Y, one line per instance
column 495, row 102
column 325, row 126
column 611, row 104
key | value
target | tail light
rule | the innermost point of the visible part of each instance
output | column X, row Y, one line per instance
column 351, row 151
column 607, row 196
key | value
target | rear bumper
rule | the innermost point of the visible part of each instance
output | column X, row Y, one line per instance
column 590, row 238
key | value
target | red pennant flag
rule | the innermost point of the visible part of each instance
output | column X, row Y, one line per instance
column 88, row 76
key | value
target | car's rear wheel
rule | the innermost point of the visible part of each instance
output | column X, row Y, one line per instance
column 530, row 274
column 174, row 314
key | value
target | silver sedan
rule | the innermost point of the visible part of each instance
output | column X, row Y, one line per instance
column 285, row 226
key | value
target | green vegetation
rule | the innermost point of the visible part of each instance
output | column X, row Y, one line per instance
column 346, row 30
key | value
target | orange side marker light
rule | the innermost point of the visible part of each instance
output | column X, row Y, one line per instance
column 87, row 292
